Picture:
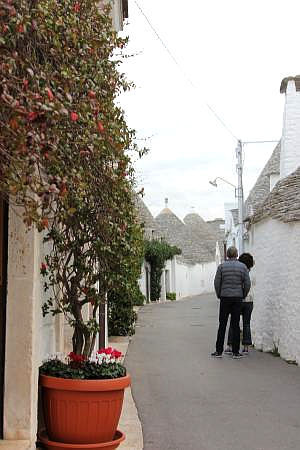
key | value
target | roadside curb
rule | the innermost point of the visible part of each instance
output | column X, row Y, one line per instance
column 129, row 422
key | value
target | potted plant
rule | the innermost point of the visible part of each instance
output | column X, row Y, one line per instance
column 82, row 398
column 65, row 159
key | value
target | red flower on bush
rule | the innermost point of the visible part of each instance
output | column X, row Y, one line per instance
column 31, row 116
column 76, row 358
column 74, row 116
column 20, row 28
column 50, row 94
column 76, row 7
column 100, row 126
column 92, row 94
column 45, row 222
column 43, row 268
column 114, row 353
column 107, row 350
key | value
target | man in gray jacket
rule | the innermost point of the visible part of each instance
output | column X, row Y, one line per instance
column 232, row 284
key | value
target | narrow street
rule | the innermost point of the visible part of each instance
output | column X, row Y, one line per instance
column 189, row 401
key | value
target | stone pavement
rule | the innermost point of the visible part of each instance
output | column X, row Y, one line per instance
column 129, row 422
column 189, row 401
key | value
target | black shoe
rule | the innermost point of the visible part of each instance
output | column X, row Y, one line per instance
column 216, row 355
column 237, row 356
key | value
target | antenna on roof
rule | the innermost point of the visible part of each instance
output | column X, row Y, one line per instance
column 166, row 202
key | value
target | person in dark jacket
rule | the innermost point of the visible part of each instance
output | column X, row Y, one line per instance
column 232, row 284
column 246, row 311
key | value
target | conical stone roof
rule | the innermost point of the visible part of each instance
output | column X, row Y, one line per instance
column 170, row 227
column 204, row 234
column 146, row 219
column 198, row 224
column 283, row 202
column 261, row 189
column 217, row 231
column 194, row 249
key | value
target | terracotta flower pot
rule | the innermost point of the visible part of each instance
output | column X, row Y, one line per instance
column 50, row 445
column 82, row 411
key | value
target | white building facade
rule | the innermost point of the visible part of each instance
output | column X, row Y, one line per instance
column 274, row 241
column 191, row 279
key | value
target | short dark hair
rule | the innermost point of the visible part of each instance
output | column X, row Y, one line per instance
column 247, row 259
column 232, row 252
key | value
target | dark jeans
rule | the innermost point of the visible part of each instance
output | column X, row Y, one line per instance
column 232, row 307
column 246, row 311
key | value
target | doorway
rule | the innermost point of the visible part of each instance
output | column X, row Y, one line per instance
column 3, row 295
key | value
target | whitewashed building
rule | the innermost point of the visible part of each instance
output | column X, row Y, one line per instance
column 201, row 243
column 273, row 224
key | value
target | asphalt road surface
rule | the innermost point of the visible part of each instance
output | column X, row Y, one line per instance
column 187, row 400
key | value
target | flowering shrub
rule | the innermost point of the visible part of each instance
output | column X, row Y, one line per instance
column 65, row 151
column 104, row 364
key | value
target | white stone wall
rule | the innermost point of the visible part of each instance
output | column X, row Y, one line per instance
column 194, row 279
column 290, row 144
column 276, row 316
column 29, row 336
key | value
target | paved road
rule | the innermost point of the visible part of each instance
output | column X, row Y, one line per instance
column 189, row 401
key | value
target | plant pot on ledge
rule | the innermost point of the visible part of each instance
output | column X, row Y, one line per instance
column 83, row 413
column 51, row 445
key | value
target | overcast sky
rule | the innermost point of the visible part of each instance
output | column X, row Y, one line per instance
column 232, row 55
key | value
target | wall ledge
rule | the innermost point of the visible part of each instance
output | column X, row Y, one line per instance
column 15, row 445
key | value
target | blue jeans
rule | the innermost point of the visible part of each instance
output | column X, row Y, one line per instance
column 246, row 311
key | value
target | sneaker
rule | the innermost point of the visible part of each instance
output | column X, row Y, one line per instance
column 237, row 356
column 228, row 351
column 245, row 352
column 216, row 355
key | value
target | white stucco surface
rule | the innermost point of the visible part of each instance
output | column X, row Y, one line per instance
column 194, row 279
column 29, row 336
column 290, row 143
column 276, row 316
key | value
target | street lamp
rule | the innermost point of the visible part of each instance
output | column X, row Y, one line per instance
column 238, row 193
column 214, row 183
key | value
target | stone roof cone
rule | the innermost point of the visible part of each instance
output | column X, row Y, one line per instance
column 198, row 224
column 194, row 249
column 170, row 226
column 203, row 233
column 145, row 218
column 261, row 189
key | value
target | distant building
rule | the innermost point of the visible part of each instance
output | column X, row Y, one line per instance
column 193, row 271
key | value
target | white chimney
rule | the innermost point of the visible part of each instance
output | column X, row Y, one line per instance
column 290, row 143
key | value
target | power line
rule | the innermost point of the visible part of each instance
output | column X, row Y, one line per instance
column 183, row 71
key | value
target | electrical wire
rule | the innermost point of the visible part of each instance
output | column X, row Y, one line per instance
column 183, row 71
